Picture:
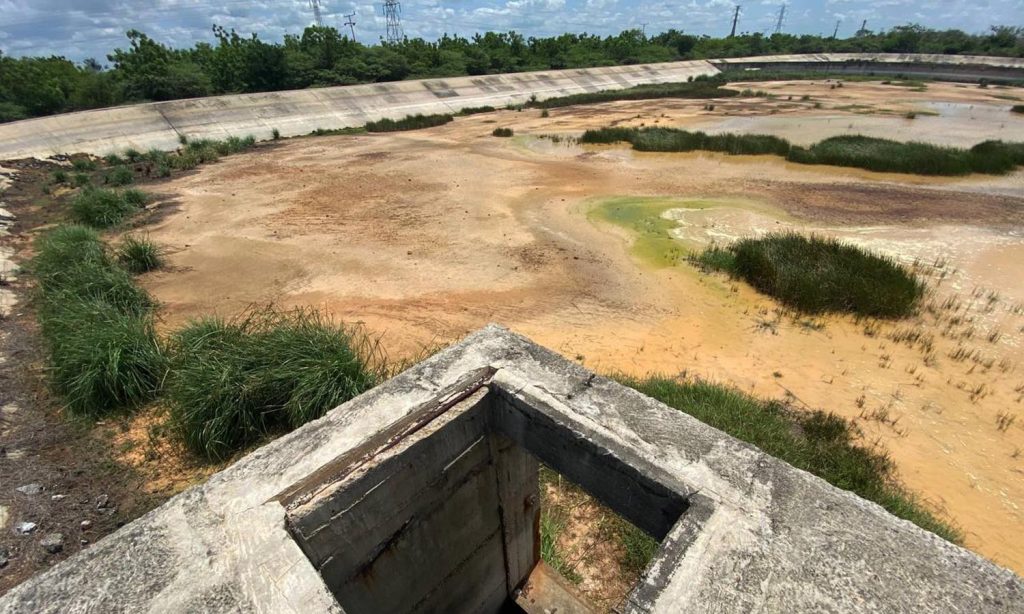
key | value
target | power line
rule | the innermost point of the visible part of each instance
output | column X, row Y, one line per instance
column 351, row 23
column 393, row 17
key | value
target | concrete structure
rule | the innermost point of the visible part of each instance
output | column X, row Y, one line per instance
column 159, row 125
column 420, row 495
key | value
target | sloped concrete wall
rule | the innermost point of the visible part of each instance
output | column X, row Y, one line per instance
column 297, row 112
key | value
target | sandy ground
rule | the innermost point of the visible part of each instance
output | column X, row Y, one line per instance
column 424, row 236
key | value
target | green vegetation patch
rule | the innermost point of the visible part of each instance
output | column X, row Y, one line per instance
column 1017, row 108
column 103, row 208
column 818, row 442
column 409, row 122
column 139, row 255
column 96, row 323
column 338, row 131
column 697, row 89
column 870, row 153
column 234, row 382
column 818, row 275
column 502, row 132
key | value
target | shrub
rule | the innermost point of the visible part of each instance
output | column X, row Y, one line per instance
column 133, row 155
column 60, row 176
column 671, row 139
column 410, row 122
column 502, row 132
column 139, row 255
column 102, row 208
column 83, row 164
column 1017, row 108
column 234, row 382
column 80, row 180
column 113, row 159
column 545, row 113
column 275, row 134
column 119, row 176
column 820, row 275
column 157, row 156
column 818, row 442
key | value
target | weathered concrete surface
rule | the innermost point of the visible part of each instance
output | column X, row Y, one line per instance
column 759, row 535
column 298, row 112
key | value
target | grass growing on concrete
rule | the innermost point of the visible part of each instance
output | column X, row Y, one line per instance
column 410, row 122
column 815, row 441
column 97, row 325
column 139, row 255
column 699, row 88
column 234, row 382
column 818, row 275
column 874, row 154
column 103, row 208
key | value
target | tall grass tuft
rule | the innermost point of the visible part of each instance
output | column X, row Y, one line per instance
column 503, row 132
column 704, row 88
column 818, row 275
column 818, row 442
column 102, row 208
column 97, row 325
column 233, row 382
column 410, row 122
column 139, row 255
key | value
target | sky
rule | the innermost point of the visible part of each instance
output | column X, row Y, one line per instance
column 82, row 29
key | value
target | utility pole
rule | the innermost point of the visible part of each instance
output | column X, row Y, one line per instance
column 643, row 29
column 351, row 23
column 317, row 18
column 782, row 18
column 735, row 19
column 393, row 17
column 835, row 32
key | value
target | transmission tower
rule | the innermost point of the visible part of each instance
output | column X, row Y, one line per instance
column 317, row 17
column 393, row 16
column 863, row 29
column 735, row 19
column 351, row 23
column 782, row 18
column 835, row 32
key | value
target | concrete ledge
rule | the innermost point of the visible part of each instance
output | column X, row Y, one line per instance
column 758, row 533
column 298, row 112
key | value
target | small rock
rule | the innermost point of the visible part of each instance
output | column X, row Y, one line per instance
column 52, row 543
column 24, row 528
column 102, row 502
column 86, row 525
column 57, row 497
column 30, row 489
column 5, row 555
column 84, row 542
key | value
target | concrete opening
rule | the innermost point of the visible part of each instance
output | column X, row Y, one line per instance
column 441, row 511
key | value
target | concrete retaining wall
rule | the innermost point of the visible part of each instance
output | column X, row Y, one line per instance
column 159, row 125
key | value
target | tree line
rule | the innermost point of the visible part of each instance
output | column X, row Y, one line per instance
column 148, row 70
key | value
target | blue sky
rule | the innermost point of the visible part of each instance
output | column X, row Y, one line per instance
column 91, row 28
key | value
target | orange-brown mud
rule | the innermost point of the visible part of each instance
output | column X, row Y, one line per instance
column 424, row 236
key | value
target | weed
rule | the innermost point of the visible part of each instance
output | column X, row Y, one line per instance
column 113, row 159
column 821, row 443
column 60, row 176
column 1004, row 421
column 475, row 110
column 503, row 132
column 338, row 131
column 545, row 113
column 705, row 88
column 843, row 278
column 83, row 165
column 275, row 134
column 132, row 155
column 139, row 255
column 80, row 180
column 1017, row 108
column 101, row 208
column 409, row 122
column 236, row 381
column 119, row 176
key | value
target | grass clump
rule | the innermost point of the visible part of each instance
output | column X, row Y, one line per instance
column 234, row 382
column 119, row 176
column 60, row 176
column 475, row 110
column 502, row 132
column 83, row 165
column 275, row 134
column 96, row 323
column 102, row 208
column 338, row 131
column 818, row 275
column 409, row 122
column 1017, row 108
column 818, row 442
column 139, row 255
column 671, row 139
column 704, row 88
